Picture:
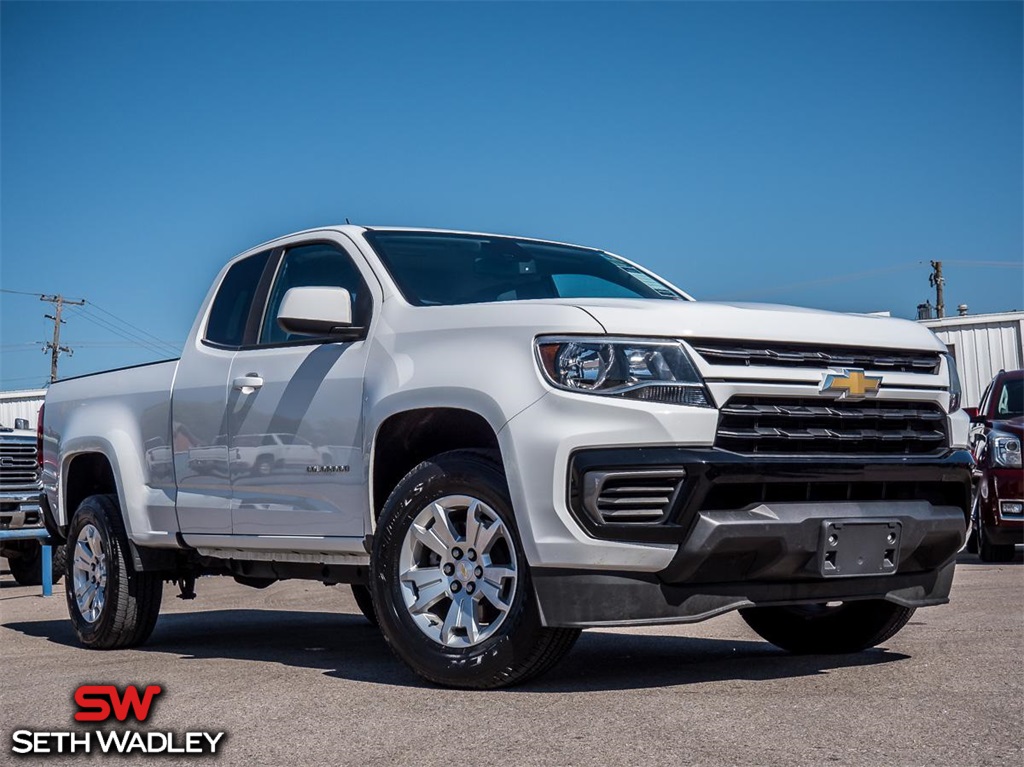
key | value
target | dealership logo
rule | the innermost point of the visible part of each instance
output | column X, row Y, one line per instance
column 98, row 702
column 105, row 703
column 851, row 384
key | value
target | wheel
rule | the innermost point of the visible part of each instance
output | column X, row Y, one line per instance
column 110, row 605
column 992, row 552
column 27, row 567
column 828, row 629
column 364, row 601
column 450, row 581
column 264, row 466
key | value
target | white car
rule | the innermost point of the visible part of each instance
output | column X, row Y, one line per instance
column 527, row 439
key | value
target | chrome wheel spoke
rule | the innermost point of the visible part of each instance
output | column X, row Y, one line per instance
column 430, row 539
column 488, row 536
column 497, row 574
column 429, row 596
column 442, row 526
column 472, row 524
column 422, row 577
column 492, row 594
column 467, row 619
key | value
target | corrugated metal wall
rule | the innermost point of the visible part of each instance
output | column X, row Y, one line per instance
column 982, row 348
column 20, row 404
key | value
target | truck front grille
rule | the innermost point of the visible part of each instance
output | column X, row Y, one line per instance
column 748, row 353
column 803, row 426
column 18, row 468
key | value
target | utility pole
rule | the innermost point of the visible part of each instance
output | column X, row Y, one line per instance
column 937, row 281
column 54, row 347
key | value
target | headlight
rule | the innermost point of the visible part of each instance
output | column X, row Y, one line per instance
column 655, row 371
column 954, row 383
column 1005, row 450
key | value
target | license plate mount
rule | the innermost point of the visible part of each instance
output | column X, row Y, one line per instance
column 853, row 547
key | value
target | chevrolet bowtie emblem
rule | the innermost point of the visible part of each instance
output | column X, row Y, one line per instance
column 851, row 384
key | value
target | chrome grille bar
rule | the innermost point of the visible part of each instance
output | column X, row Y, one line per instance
column 749, row 353
column 778, row 426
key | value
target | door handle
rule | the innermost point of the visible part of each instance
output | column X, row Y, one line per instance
column 247, row 384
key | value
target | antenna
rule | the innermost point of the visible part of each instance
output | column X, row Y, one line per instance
column 347, row 221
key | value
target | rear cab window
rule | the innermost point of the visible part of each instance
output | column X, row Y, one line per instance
column 229, row 314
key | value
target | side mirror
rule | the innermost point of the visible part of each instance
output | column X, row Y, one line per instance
column 316, row 311
column 972, row 413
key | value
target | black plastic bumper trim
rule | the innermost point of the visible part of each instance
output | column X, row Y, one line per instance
column 581, row 599
column 708, row 469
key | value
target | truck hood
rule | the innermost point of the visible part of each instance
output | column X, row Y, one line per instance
column 1014, row 426
column 760, row 322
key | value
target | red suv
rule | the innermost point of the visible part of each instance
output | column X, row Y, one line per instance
column 997, row 518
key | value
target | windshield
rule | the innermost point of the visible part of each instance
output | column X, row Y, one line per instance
column 1011, row 400
column 435, row 268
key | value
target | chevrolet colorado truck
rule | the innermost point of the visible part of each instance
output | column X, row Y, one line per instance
column 516, row 439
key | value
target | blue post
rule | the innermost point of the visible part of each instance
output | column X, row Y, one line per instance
column 39, row 534
column 47, row 570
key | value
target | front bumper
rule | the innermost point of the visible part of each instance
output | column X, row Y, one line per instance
column 19, row 509
column 753, row 532
column 998, row 487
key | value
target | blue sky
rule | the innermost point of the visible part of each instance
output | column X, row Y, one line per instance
column 749, row 151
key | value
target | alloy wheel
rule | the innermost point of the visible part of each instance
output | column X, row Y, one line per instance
column 458, row 571
column 89, row 573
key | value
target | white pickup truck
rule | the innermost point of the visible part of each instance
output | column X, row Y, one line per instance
column 514, row 440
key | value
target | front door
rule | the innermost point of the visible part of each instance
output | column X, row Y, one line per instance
column 295, row 430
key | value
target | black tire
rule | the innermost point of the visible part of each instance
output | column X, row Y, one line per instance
column 819, row 629
column 520, row 647
column 364, row 601
column 264, row 466
column 991, row 552
column 132, row 601
column 27, row 566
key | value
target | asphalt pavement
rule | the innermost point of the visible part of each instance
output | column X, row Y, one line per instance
column 295, row 676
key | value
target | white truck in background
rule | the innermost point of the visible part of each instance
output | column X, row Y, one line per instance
column 526, row 439
column 19, row 502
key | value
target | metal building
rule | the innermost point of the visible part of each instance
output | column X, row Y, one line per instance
column 983, row 344
column 20, row 404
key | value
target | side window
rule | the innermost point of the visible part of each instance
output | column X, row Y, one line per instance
column 231, row 305
column 320, row 265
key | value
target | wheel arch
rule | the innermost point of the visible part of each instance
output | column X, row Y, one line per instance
column 405, row 439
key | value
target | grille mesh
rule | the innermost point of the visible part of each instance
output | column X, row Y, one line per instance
column 764, row 426
column 749, row 353
column 18, row 469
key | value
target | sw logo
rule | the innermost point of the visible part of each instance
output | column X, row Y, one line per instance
column 97, row 702
column 851, row 384
column 103, row 703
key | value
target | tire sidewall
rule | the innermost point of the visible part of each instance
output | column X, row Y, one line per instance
column 92, row 512
column 514, row 639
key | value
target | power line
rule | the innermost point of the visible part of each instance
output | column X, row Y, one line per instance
column 20, row 292
column 124, row 333
column 998, row 264
column 155, row 343
column 94, row 305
